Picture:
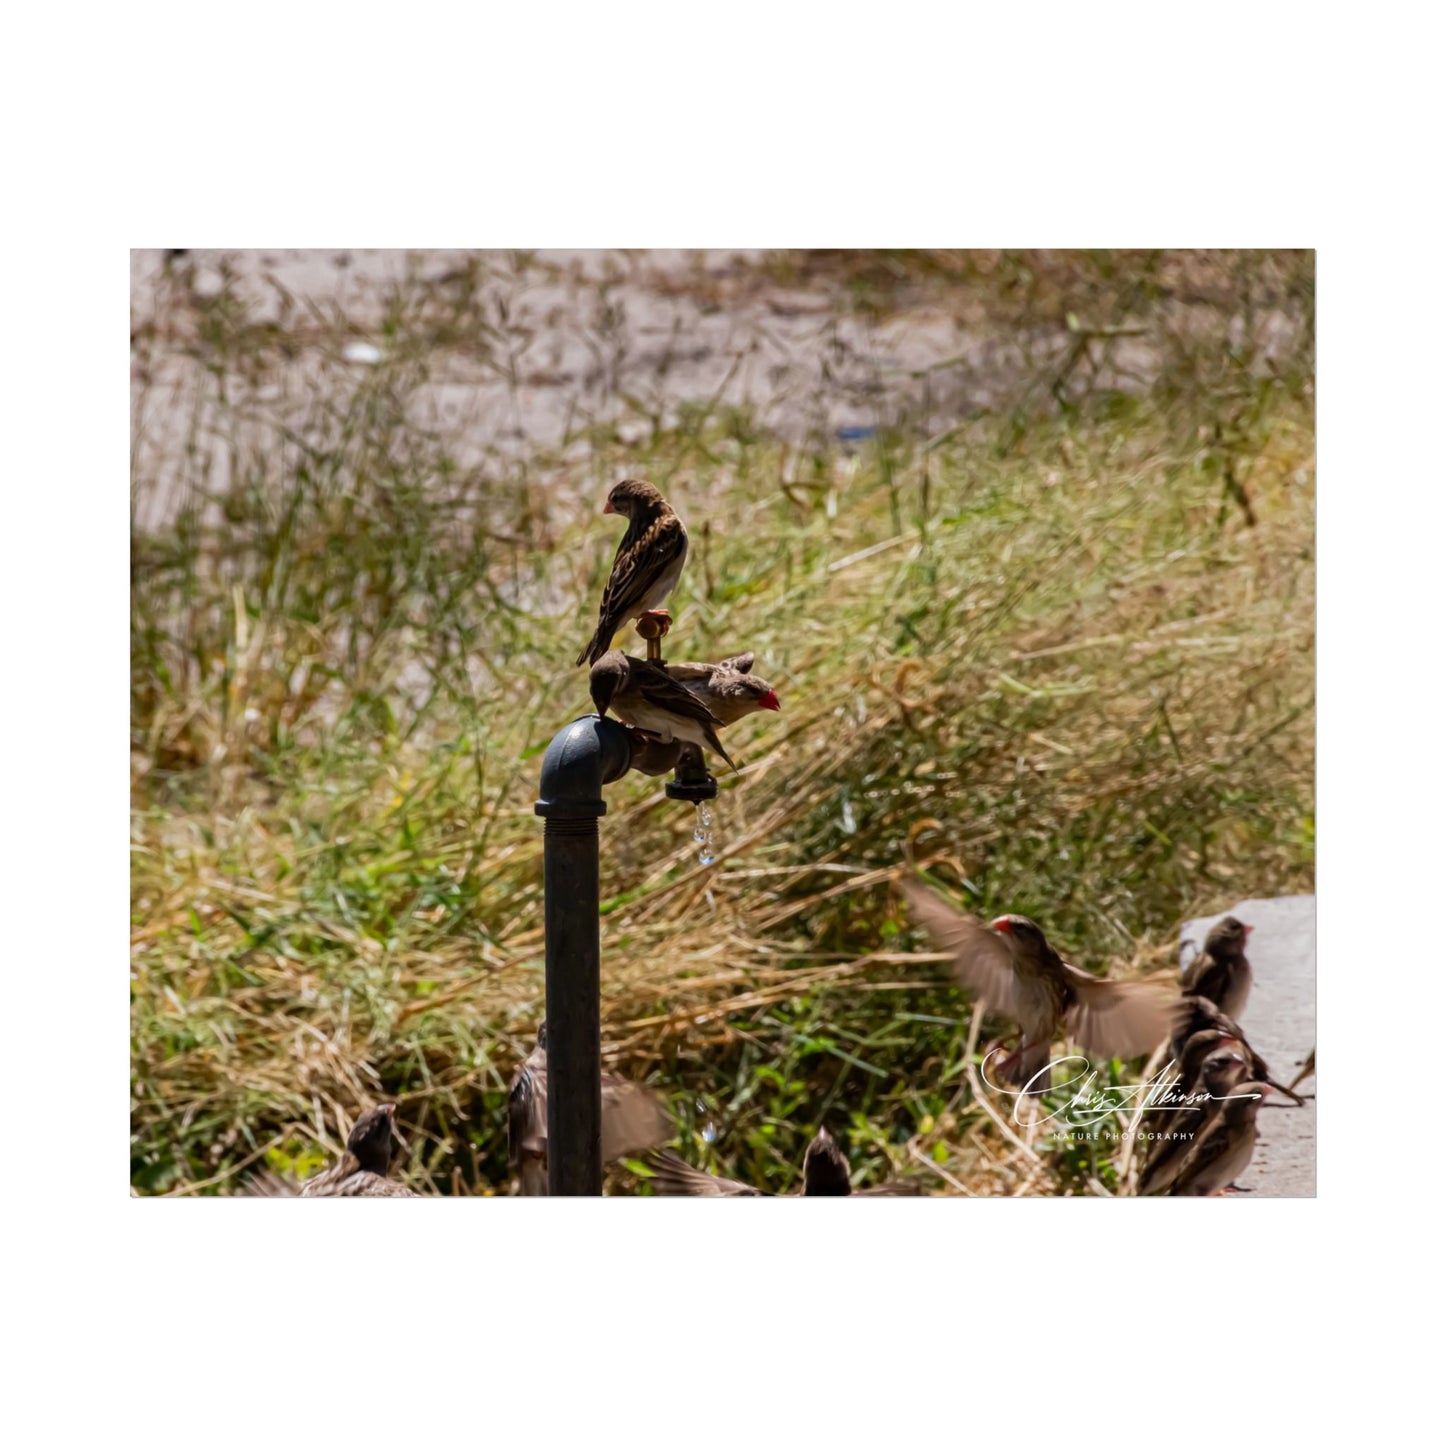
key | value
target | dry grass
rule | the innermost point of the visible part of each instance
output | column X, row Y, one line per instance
column 1045, row 647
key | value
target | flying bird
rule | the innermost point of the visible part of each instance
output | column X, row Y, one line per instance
column 361, row 1170
column 728, row 688
column 1221, row 973
column 632, row 1119
column 1014, row 970
column 1225, row 1145
column 647, row 565
column 645, row 697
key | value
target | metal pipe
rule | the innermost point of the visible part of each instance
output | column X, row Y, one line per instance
column 584, row 756
column 692, row 783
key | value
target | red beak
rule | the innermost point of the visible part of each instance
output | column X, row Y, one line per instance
column 1001, row 925
column 770, row 701
column 607, row 507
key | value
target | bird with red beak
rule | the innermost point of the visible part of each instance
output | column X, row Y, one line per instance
column 728, row 687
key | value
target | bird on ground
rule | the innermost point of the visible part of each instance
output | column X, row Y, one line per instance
column 825, row 1173
column 1199, row 1047
column 648, row 563
column 1179, row 1128
column 633, row 1119
column 1013, row 969
column 1225, row 1145
column 1194, row 1015
column 1221, row 973
column 645, row 697
column 361, row 1171
column 728, row 687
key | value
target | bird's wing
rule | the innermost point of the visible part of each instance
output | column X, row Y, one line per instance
column 661, row 691
column 1214, row 1142
column 1200, row 969
column 981, row 959
column 527, row 1110
column 691, row 671
column 331, row 1181
column 635, row 569
column 366, row 1185
column 267, row 1185
column 633, row 1119
column 673, row 1175
column 1162, row 1166
column 1118, row 1020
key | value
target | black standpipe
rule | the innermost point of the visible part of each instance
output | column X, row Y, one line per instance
column 580, row 761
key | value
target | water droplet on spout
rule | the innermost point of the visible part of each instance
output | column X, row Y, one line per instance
column 702, row 834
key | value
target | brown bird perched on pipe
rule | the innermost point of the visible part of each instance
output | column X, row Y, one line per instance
column 647, row 565
column 825, row 1172
column 645, row 697
column 361, row 1171
column 728, row 687
column 632, row 1119
column 1221, row 973
column 1013, row 969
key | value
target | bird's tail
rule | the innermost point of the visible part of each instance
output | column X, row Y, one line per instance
column 710, row 733
column 1029, row 1068
column 1284, row 1089
column 595, row 648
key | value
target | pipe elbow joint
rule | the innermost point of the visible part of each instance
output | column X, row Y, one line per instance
column 587, row 754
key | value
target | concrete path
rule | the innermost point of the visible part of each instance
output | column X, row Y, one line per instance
column 1280, row 1023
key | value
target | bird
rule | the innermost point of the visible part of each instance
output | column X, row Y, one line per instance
column 1201, row 1046
column 361, row 1171
column 648, row 563
column 633, row 1119
column 1216, row 1075
column 1195, row 1014
column 825, row 1172
column 1221, row 973
column 728, row 687
column 1225, row 1145
column 1014, row 970
column 645, row 697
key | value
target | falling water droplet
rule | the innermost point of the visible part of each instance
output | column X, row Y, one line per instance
column 702, row 834
column 709, row 1133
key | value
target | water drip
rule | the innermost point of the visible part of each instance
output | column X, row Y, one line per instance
column 702, row 835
